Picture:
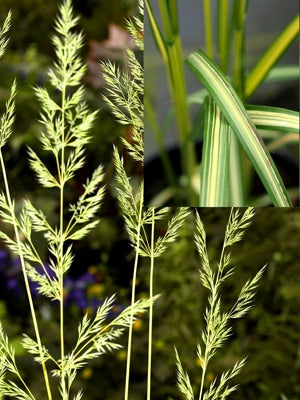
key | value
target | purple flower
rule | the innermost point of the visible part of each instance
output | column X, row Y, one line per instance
column 13, row 285
column 84, row 292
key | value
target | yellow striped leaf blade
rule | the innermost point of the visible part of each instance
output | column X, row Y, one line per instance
column 236, row 115
column 274, row 118
column 214, row 176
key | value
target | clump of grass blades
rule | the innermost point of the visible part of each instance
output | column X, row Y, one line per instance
column 66, row 124
column 235, row 137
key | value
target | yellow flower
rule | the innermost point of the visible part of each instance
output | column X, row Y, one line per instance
column 92, row 270
column 199, row 361
column 137, row 324
column 123, row 292
column 159, row 344
column 89, row 310
column 143, row 295
column 210, row 377
column 87, row 373
column 116, row 309
column 122, row 354
column 95, row 290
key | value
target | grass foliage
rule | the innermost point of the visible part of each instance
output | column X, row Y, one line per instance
column 234, row 146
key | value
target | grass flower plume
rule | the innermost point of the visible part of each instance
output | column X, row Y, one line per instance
column 217, row 322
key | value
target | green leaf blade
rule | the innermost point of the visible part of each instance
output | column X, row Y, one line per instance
column 226, row 98
column 274, row 118
column 271, row 56
column 215, row 158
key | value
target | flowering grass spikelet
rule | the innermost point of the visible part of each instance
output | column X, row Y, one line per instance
column 217, row 323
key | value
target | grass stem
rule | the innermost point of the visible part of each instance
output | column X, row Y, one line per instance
column 151, row 307
column 26, row 281
column 222, row 28
column 136, row 259
column 208, row 29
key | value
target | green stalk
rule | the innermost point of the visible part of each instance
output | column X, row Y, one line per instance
column 136, row 259
column 179, row 96
column 239, row 48
column 271, row 56
column 151, row 117
column 151, row 307
column 222, row 29
column 237, row 180
column 208, row 29
column 29, row 296
column 171, row 50
column 157, row 35
column 178, row 90
column 61, row 227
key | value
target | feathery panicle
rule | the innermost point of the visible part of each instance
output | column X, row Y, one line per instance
column 183, row 380
column 33, row 348
column 237, row 225
column 67, row 122
column 222, row 390
column 3, row 31
column 97, row 336
column 131, row 204
column 69, row 69
column 135, row 26
column 207, row 276
column 125, row 91
column 7, row 356
column 217, row 323
column 245, row 299
column 172, row 232
column 8, row 117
